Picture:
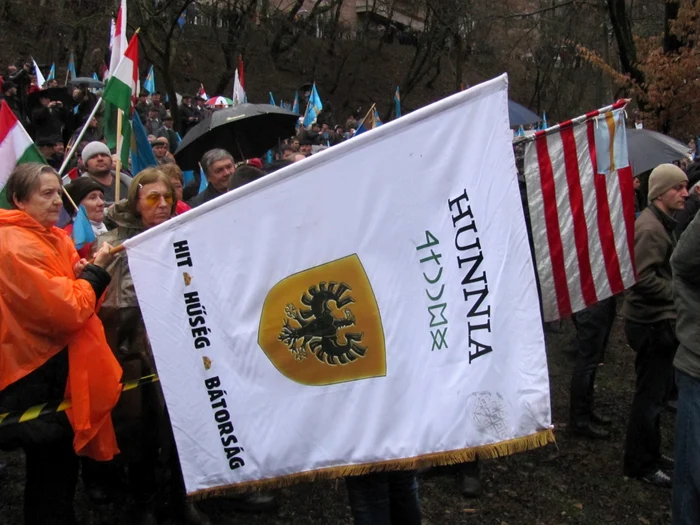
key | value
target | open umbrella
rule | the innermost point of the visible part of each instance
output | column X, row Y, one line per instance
column 88, row 81
column 647, row 149
column 521, row 116
column 219, row 101
column 246, row 131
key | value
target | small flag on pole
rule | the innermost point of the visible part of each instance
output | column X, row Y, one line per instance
column 295, row 104
column 16, row 146
column 397, row 103
column 272, row 99
column 40, row 80
column 238, row 91
column 202, row 93
column 71, row 67
column 150, row 83
column 52, row 73
column 82, row 229
column 313, row 108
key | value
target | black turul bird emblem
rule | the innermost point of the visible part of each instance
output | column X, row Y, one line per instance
column 317, row 329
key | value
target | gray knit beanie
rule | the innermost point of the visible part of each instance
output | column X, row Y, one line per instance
column 93, row 149
column 663, row 178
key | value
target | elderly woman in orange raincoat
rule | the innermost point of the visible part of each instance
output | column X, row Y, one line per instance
column 52, row 347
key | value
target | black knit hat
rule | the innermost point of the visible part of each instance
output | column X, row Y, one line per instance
column 78, row 190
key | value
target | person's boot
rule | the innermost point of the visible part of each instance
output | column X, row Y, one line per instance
column 193, row 515
column 470, row 484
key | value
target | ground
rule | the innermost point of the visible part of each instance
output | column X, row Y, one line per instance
column 573, row 482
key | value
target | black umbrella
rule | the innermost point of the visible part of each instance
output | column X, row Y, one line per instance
column 520, row 116
column 246, row 131
column 647, row 149
column 60, row 94
column 87, row 81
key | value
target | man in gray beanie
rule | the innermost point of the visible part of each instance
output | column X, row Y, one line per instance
column 97, row 160
column 650, row 324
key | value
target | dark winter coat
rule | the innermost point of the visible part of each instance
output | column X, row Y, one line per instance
column 686, row 283
column 651, row 299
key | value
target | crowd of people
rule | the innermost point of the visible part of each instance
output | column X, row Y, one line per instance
column 86, row 293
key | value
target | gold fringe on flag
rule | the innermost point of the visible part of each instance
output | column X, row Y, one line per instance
column 452, row 457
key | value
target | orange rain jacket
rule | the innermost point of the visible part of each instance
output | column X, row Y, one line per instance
column 43, row 309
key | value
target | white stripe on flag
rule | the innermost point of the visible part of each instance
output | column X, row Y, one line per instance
column 566, row 220
column 539, row 233
column 590, row 205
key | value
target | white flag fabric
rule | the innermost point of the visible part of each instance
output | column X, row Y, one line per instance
column 581, row 202
column 238, row 91
column 371, row 307
column 40, row 80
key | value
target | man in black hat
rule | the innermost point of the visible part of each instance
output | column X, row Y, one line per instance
column 48, row 148
column 188, row 116
column 153, row 122
column 49, row 118
column 156, row 103
column 9, row 95
column 142, row 106
column 160, row 150
column 167, row 131
column 200, row 110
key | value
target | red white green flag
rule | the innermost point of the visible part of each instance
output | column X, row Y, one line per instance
column 120, row 93
column 16, row 147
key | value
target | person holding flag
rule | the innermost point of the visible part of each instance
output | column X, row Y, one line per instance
column 52, row 345
column 142, row 421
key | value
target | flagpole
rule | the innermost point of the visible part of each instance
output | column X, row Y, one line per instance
column 120, row 140
column 617, row 105
column 365, row 117
column 69, row 156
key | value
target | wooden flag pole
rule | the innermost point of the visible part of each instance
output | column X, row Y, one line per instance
column 365, row 117
column 120, row 140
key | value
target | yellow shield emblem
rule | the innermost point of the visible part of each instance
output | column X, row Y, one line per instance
column 322, row 326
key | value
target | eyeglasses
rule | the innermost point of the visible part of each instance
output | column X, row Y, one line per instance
column 153, row 199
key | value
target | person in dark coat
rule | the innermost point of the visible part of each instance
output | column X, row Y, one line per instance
column 167, row 131
column 650, row 322
column 49, row 118
column 685, row 216
column 48, row 297
column 153, row 122
column 142, row 106
column 188, row 116
column 9, row 95
column 218, row 167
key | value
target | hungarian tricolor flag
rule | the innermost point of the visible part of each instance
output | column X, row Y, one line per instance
column 120, row 93
column 16, row 147
column 118, row 40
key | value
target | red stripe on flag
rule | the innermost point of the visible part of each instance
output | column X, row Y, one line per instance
column 573, row 178
column 626, row 178
column 551, row 217
column 118, row 23
column 7, row 120
column 605, row 229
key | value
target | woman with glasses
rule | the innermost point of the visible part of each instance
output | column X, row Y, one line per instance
column 141, row 420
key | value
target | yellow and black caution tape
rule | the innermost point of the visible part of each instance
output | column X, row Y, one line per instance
column 53, row 407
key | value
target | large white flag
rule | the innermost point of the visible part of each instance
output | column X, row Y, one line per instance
column 371, row 307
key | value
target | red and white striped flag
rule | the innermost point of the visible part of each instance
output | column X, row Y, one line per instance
column 582, row 216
